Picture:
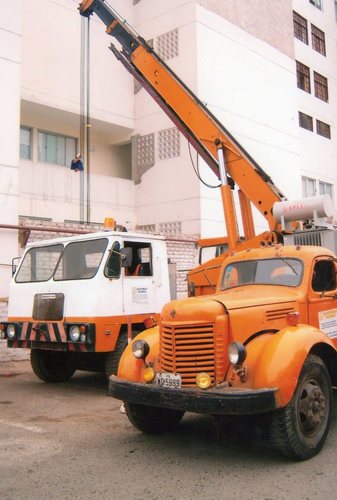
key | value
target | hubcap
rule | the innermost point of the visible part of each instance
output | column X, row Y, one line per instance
column 311, row 408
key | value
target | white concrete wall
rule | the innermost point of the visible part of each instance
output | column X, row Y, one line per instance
column 251, row 87
column 51, row 62
column 318, row 154
column 52, row 191
column 169, row 191
column 10, row 67
column 248, row 84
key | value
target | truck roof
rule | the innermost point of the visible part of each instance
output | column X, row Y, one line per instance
column 304, row 252
column 99, row 234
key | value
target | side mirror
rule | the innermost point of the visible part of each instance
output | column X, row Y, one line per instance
column 15, row 264
column 126, row 256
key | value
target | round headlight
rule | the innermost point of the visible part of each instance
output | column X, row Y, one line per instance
column 236, row 353
column 11, row 331
column 74, row 333
column 140, row 349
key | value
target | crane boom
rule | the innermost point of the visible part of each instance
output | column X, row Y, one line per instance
column 194, row 120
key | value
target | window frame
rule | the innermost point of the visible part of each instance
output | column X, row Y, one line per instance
column 303, row 77
column 318, row 40
column 300, row 25
column 30, row 130
column 323, row 129
column 42, row 156
column 324, row 185
column 308, row 181
column 317, row 3
column 302, row 120
column 321, row 89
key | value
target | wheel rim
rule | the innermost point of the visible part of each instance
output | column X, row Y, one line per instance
column 311, row 410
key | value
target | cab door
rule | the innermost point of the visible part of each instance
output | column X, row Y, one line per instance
column 322, row 297
column 138, row 279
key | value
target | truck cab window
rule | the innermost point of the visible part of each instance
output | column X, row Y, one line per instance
column 38, row 264
column 277, row 271
column 141, row 261
column 324, row 276
column 113, row 265
column 81, row 260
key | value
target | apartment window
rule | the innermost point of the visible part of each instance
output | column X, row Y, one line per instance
column 305, row 121
column 317, row 3
column 321, row 87
column 323, row 129
column 308, row 186
column 25, row 143
column 318, row 40
column 300, row 28
column 303, row 77
column 54, row 148
column 325, row 188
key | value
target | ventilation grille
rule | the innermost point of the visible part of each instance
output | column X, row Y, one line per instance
column 309, row 238
column 279, row 313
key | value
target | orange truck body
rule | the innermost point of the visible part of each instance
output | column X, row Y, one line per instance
column 279, row 320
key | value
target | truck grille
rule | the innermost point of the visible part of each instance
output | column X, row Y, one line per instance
column 188, row 350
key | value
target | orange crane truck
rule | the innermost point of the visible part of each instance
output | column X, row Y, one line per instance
column 264, row 342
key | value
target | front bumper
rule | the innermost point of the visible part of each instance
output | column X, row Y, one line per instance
column 215, row 401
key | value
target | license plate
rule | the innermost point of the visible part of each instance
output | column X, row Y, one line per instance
column 172, row 380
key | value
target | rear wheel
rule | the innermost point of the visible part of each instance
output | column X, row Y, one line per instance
column 151, row 420
column 52, row 366
column 299, row 429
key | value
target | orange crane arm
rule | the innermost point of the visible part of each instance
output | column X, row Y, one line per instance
column 201, row 128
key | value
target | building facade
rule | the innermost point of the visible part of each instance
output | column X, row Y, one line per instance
column 266, row 69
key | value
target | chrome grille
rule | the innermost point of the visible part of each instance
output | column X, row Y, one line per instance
column 188, row 350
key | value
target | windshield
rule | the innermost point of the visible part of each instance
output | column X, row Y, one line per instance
column 277, row 271
column 81, row 260
column 77, row 260
column 39, row 264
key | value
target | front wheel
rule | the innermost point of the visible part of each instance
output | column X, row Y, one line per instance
column 112, row 358
column 151, row 420
column 52, row 366
column 299, row 429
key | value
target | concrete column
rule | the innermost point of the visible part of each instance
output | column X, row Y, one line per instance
column 10, row 70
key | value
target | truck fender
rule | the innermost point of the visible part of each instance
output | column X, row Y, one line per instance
column 276, row 360
column 131, row 368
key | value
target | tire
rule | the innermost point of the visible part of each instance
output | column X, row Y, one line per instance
column 299, row 429
column 151, row 420
column 112, row 358
column 52, row 366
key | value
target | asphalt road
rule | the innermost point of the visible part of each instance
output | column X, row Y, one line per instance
column 70, row 441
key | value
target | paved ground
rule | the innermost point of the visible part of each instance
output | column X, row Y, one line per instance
column 70, row 441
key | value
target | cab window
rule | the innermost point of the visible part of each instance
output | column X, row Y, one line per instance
column 140, row 260
column 113, row 265
column 324, row 276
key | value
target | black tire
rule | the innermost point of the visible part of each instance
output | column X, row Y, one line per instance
column 151, row 420
column 52, row 366
column 112, row 358
column 299, row 429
